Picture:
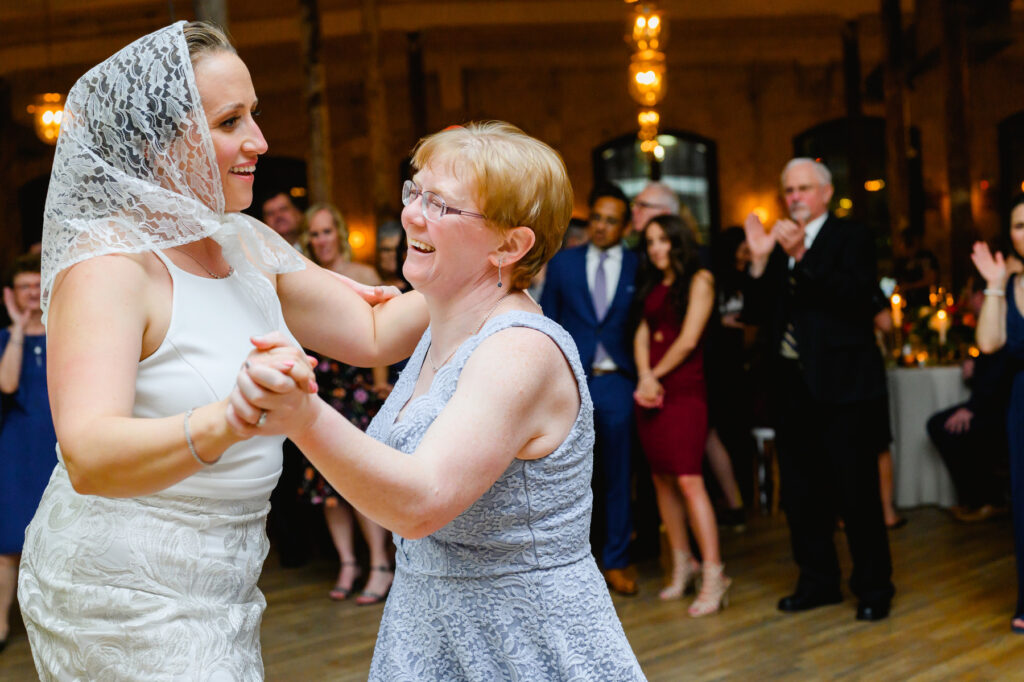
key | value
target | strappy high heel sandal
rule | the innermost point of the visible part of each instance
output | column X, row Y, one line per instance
column 366, row 598
column 685, row 570
column 339, row 592
column 714, row 592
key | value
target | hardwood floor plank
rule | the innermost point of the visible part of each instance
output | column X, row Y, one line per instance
column 956, row 588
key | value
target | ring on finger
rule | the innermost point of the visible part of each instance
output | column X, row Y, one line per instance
column 262, row 420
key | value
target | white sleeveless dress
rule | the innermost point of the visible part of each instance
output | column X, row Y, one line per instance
column 161, row 587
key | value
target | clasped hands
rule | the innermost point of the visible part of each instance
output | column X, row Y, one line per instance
column 649, row 392
column 275, row 392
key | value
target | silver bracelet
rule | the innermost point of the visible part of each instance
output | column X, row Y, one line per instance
column 995, row 292
column 192, row 447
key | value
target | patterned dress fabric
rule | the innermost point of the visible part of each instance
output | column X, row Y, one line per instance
column 26, row 444
column 673, row 435
column 508, row 590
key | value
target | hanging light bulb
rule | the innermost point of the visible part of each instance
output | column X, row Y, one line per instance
column 47, row 113
column 647, row 77
column 647, row 27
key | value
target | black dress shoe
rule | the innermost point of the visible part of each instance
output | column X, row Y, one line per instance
column 3, row 645
column 805, row 601
column 872, row 611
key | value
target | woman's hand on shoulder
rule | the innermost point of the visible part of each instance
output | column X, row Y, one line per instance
column 372, row 294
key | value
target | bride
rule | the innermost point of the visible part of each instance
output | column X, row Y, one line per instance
column 142, row 559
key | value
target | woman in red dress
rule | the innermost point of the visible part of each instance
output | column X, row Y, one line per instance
column 677, row 297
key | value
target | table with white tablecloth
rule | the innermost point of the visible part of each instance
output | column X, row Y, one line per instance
column 915, row 394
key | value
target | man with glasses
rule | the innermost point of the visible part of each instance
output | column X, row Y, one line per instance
column 588, row 290
column 655, row 199
column 813, row 279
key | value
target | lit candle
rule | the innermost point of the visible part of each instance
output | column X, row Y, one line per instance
column 942, row 324
column 897, row 311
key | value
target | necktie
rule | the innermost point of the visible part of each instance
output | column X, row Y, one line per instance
column 600, row 291
column 600, row 296
column 788, row 347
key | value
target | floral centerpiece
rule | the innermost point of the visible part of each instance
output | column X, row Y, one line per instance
column 940, row 333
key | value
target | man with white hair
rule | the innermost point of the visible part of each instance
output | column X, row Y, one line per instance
column 813, row 282
column 655, row 199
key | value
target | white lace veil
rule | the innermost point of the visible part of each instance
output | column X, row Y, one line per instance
column 135, row 171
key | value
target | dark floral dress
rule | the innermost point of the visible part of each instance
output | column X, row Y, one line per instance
column 349, row 390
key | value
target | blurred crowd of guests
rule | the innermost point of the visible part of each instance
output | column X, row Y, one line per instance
column 688, row 347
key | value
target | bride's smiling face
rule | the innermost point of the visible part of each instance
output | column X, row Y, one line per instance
column 229, row 102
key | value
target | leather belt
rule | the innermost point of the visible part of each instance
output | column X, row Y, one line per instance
column 598, row 372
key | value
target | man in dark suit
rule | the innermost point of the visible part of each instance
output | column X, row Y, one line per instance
column 813, row 281
column 588, row 290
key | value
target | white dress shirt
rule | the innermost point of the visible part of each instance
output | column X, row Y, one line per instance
column 811, row 231
column 612, row 270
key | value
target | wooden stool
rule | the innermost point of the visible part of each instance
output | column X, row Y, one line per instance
column 766, row 471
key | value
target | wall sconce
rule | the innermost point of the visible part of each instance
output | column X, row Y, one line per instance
column 357, row 239
column 47, row 113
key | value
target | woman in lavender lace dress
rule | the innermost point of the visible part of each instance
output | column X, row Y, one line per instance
column 485, row 448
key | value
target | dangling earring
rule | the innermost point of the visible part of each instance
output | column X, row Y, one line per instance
column 500, row 261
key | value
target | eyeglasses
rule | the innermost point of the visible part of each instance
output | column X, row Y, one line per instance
column 648, row 205
column 433, row 207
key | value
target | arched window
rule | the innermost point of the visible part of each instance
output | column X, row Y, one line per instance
column 689, row 166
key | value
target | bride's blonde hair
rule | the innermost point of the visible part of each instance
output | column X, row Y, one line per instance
column 204, row 38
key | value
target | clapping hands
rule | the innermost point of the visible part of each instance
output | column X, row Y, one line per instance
column 19, row 318
column 275, row 390
column 991, row 267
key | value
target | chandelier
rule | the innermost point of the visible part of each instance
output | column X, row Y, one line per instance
column 647, row 68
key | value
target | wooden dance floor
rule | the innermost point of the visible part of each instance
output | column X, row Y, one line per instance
column 950, row 621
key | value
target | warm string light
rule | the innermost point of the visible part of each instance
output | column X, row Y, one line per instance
column 647, row 71
column 47, row 114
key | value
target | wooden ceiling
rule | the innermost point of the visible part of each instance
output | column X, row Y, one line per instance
column 52, row 34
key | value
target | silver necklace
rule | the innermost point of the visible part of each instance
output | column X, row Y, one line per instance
column 486, row 317
column 210, row 272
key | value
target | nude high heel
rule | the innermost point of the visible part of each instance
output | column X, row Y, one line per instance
column 714, row 592
column 684, row 576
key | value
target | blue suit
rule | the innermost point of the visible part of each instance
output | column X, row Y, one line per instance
column 567, row 300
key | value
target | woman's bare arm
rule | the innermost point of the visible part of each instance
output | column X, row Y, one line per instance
column 326, row 316
column 698, row 311
column 516, row 398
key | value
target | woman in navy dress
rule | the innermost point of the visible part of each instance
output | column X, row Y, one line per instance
column 677, row 297
column 1001, row 324
column 27, row 440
